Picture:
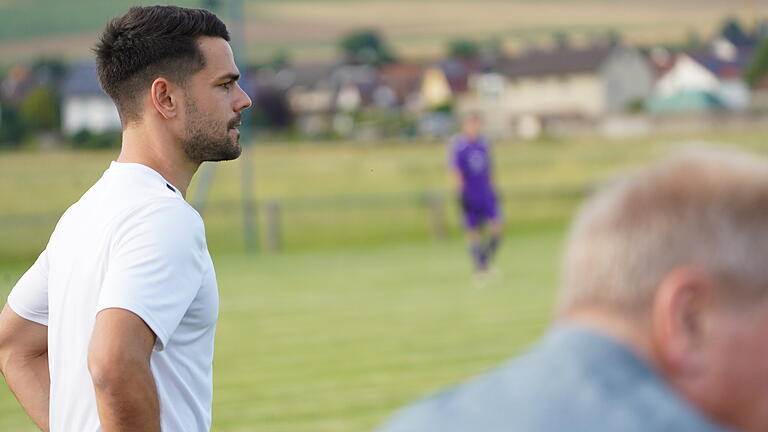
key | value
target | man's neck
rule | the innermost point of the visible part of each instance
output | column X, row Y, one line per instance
column 160, row 154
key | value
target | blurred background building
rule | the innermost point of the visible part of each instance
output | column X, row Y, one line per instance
column 365, row 82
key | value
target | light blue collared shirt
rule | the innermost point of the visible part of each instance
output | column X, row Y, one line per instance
column 574, row 380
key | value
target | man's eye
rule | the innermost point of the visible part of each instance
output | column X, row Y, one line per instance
column 226, row 85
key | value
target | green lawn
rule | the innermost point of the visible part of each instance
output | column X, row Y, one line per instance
column 335, row 340
column 338, row 194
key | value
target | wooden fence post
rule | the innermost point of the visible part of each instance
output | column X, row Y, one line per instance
column 274, row 230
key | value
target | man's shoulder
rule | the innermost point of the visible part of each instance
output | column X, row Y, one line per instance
column 118, row 193
column 476, row 405
column 554, row 388
column 165, row 211
column 137, row 189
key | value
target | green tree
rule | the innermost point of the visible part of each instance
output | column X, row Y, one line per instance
column 86, row 139
column 613, row 37
column 561, row 39
column 463, row 48
column 39, row 111
column 693, row 40
column 280, row 59
column 211, row 5
column 11, row 127
column 761, row 29
column 365, row 47
column 758, row 67
column 49, row 71
column 277, row 61
column 732, row 30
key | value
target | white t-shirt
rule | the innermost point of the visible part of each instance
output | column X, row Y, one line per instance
column 130, row 242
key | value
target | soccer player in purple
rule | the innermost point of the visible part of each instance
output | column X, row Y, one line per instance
column 471, row 167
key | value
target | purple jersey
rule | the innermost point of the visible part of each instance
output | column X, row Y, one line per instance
column 472, row 159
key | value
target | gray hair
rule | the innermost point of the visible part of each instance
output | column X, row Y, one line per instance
column 702, row 208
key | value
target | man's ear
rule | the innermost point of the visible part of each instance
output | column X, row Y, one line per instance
column 164, row 97
column 678, row 318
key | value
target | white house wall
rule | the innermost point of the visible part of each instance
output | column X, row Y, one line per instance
column 503, row 102
column 555, row 95
column 93, row 113
column 686, row 76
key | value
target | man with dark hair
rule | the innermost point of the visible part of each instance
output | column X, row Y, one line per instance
column 112, row 327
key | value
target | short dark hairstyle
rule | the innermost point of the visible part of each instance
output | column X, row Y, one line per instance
column 148, row 42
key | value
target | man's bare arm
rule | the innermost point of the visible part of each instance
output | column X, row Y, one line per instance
column 118, row 360
column 24, row 364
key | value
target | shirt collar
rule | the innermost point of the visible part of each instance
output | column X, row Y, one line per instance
column 143, row 169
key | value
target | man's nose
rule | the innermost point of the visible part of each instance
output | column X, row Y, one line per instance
column 244, row 101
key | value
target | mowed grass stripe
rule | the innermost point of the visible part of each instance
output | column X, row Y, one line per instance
column 440, row 332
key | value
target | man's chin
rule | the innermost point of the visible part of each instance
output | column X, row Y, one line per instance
column 233, row 152
column 237, row 151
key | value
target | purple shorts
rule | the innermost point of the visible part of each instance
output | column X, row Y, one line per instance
column 477, row 214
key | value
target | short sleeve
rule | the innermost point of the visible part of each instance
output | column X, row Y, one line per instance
column 155, row 266
column 29, row 297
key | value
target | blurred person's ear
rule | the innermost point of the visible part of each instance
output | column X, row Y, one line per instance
column 679, row 322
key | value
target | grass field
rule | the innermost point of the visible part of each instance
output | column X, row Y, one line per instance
column 363, row 312
column 332, row 195
column 310, row 29
column 335, row 340
column 338, row 195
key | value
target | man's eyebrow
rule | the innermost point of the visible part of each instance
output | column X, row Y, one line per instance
column 229, row 77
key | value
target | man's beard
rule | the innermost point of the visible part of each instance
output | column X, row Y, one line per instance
column 206, row 141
